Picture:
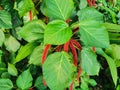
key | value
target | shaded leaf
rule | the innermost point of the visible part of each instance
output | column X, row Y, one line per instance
column 89, row 62
column 2, row 37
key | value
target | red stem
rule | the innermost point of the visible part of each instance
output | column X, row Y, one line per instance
column 89, row 3
column 66, row 46
column 77, row 44
column 30, row 14
column 71, row 86
column 44, row 55
column 76, row 29
column 79, row 73
column 44, row 82
column 58, row 49
column 74, row 53
column 94, row 49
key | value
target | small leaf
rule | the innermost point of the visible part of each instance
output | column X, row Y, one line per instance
column 6, row 84
column 5, row 19
column 2, row 37
column 24, row 81
column 57, row 32
column 60, row 73
column 25, row 51
column 12, row 70
column 34, row 30
column 58, row 9
column 89, row 62
column 24, row 6
column 39, row 83
column 36, row 55
column 11, row 44
column 92, row 82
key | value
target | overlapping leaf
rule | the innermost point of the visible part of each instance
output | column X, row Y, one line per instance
column 59, row 75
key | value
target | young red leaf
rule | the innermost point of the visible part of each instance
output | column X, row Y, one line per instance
column 74, row 53
column 44, row 55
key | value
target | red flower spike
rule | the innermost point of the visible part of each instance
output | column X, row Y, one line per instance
column 66, row 46
column 30, row 14
column 58, row 49
column 79, row 72
column 71, row 86
column 74, row 53
column 44, row 55
column 94, row 2
column 77, row 44
column 94, row 49
column 89, row 3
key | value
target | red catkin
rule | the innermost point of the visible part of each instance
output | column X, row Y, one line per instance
column 30, row 14
column 89, row 3
column 79, row 73
column 74, row 53
column 71, row 86
column 77, row 44
column 66, row 46
column 94, row 2
column 58, row 49
column 44, row 55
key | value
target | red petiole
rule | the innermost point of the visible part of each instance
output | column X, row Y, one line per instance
column 30, row 14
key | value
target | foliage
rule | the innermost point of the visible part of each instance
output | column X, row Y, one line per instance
column 59, row 44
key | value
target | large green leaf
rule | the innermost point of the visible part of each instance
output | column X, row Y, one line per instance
column 25, row 51
column 24, row 81
column 23, row 6
column 58, row 9
column 12, row 69
column 11, row 44
column 57, row 32
column 111, row 64
column 89, row 14
column 36, row 55
column 94, row 34
column 59, row 74
column 6, row 84
column 2, row 37
column 34, row 30
column 89, row 61
column 5, row 19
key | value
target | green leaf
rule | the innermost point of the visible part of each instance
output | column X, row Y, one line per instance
column 92, row 82
column 83, row 4
column 12, row 70
column 24, row 81
column 111, row 64
column 36, row 55
column 5, row 19
column 6, row 84
column 57, row 32
column 94, row 34
column 25, row 51
column 89, row 62
column 58, row 9
column 89, row 14
column 39, row 83
column 60, row 73
column 11, row 44
column 33, row 30
column 2, row 37
column 24, row 6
